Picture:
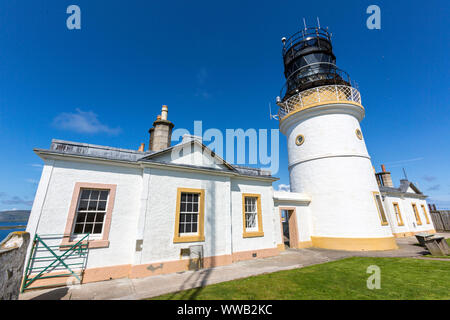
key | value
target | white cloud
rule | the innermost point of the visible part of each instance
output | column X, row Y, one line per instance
column 284, row 187
column 18, row 200
column 203, row 94
column 434, row 188
column 83, row 122
column 202, row 74
column 201, row 91
column 429, row 178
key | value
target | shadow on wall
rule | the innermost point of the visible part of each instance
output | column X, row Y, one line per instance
column 199, row 278
column 153, row 269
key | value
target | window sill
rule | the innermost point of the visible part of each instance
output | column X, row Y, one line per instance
column 189, row 239
column 93, row 244
column 253, row 234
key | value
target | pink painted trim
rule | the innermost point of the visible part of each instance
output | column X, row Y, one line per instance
column 100, row 243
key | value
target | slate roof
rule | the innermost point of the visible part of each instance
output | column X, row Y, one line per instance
column 402, row 190
column 62, row 148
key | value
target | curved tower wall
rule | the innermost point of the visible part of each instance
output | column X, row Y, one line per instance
column 320, row 112
column 333, row 166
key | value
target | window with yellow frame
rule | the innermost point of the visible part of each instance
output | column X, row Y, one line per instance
column 251, row 215
column 416, row 214
column 190, row 215
column 398, row 214
column 425, row 213
column 380, row 208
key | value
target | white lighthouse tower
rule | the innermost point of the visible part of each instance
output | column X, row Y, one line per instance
column 320, row 113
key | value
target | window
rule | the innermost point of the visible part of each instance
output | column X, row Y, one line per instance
column 251, row 213
column 299, row 140
column 252, row 218
column 380, row 209
column 425, row 213
column 416, row 213
column 91, row 211
column 398, row 215
column 189, row 210
column 189, row 215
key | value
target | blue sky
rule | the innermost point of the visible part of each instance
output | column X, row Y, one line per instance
column 219, row 62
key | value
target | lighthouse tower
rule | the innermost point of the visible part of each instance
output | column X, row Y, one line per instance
column 320, row 114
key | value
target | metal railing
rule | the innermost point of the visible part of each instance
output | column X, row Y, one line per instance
column 323, row 94
column 305, row 35
column 311, row 74
column 49, row 258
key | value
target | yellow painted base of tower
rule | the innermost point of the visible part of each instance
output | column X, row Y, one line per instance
column 355, row 244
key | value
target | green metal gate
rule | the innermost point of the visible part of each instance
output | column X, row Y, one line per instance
column 51, row 259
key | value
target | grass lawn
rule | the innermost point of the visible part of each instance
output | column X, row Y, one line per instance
column 401, row 278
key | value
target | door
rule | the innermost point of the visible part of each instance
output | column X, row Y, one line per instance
column 289, row 227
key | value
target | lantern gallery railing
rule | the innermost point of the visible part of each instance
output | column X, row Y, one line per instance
column 301, row 38
column 318, row 95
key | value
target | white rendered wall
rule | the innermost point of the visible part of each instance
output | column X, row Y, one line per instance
column 159, row 231
column 304, row 223
column 334, row 168
column 301, row 204
column 145, row 209
column 191, row 154
column 238, row 187
column 55, row 208
column 389, row 208
column 39, row 199
column 407, row 212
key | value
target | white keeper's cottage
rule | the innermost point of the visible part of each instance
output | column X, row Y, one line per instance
column 175, row 208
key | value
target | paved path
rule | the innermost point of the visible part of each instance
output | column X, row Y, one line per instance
column 162, row 284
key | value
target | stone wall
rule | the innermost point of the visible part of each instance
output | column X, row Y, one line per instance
column 12, row 258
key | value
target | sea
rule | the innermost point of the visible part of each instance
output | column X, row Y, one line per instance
column 4, row 233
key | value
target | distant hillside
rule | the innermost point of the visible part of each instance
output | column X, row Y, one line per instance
column 14, row 216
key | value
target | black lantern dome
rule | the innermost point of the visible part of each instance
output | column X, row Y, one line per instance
column 309, row 62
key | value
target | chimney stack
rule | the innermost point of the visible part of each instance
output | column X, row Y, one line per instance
column 161, row 132
column 384, row 177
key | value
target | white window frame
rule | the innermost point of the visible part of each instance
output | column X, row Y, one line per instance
column 92, row 236
column 183, row 234
column 254, row 213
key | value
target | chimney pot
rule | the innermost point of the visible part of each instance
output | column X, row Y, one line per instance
column 383, row 168
column 164, row 112
column 142, row 147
